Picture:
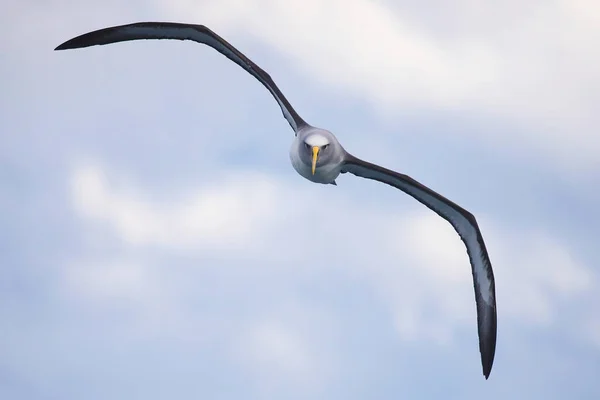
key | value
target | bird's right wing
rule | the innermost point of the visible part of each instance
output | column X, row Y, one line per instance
column 466, row 226
column 197, row 33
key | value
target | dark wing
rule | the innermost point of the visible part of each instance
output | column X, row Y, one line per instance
column 466, row 226
column 197, row 33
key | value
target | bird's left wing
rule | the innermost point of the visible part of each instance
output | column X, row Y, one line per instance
column 466, row 226
column 196, row 33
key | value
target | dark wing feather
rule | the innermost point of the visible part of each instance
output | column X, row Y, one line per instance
column 197, row 33
column 466, row 226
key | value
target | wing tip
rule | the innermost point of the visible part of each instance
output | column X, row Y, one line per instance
column 487, row 356
column 487, row 370
column 63, row 46
column 92, row 38
column 74, row 43
column 487, row 363
column 487, row 343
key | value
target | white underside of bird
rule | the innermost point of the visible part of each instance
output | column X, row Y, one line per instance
column 317, row 155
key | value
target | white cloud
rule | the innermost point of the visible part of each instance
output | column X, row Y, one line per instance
column 279, row 349
column 393, row 52
column 223, row 215
column 538, row 275
column 118, row 280
column 533, row 66
column 288, row 344
column 128, row 286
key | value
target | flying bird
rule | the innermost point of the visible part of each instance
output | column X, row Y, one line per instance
column 318, row 156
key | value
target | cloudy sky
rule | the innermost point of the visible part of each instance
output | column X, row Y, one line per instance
column 156, row 242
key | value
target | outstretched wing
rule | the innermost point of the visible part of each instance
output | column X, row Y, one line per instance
column 197, row 33
column 466, row 226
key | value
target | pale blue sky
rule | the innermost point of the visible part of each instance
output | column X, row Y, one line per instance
column 156, row 241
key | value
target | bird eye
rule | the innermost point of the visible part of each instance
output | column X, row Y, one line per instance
column 326, row 146
column 307, row 145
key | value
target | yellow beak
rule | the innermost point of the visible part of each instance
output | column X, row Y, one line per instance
column 315, row 151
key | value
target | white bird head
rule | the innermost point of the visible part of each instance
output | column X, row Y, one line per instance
column 321, row 148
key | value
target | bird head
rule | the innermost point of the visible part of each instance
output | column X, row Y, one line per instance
column 319, row 149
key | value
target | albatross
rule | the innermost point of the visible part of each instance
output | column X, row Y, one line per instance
column 318, row 156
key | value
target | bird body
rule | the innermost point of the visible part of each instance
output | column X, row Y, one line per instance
column 318, row 156
column 329, row 152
